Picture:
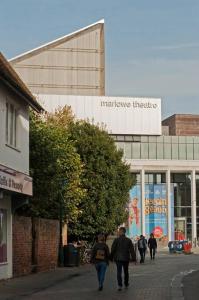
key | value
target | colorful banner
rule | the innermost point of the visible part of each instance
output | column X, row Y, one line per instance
column 134, row 208
column 156, row 211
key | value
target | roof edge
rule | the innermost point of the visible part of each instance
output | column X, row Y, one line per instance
column 55, row 41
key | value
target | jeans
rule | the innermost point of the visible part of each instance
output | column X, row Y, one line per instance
column 142, row 255
column 152, row 253
column 101, row 270
column 125, row 266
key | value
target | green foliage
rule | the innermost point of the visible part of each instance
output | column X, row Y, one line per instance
column 56, row 168
column 76, row 167
column 106, row 178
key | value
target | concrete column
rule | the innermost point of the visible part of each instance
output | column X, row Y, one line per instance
column 142, row 175
column 168, row 186
column 193, row 208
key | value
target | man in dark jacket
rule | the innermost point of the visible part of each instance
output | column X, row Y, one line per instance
column 152, row 244
column 122, row 252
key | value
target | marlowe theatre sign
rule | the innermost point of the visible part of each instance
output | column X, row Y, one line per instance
column 119, row 115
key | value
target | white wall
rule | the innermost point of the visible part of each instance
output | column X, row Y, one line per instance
column 17, row 159
column 120, row 115
column 6, row 268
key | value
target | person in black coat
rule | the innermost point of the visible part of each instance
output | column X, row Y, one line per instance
column 122, row 252
column 152, row 244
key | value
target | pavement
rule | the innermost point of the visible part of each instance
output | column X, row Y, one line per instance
column 170, row 276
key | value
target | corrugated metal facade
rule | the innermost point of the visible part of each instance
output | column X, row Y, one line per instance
column 72, row 65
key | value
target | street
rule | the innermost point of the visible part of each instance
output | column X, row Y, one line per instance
column 158, row 280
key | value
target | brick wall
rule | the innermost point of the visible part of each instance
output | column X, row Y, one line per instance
column 46, row 244
column 22, row 245
column 181, row 124
column 35, row 245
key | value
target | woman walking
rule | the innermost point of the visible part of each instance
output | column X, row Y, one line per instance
column 100, row 257
column 152, row 244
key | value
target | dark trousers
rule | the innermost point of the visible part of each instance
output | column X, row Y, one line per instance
column 142, row 255
column 152, row 253
column 125, row 266
column 101, row 270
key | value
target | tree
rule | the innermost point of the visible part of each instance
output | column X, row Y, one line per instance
column 106, row 178
column 56, row 169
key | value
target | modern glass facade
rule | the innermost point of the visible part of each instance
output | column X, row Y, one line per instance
column 159, row 147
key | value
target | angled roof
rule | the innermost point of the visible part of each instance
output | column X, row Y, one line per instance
column 12, row 79
column 53, row 43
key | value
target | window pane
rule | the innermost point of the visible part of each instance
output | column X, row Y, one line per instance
column 152, row 139
column 174, row 139
column 144, row 150
column 3, row 235
column 11, row 123
column 167, row 151
column 182, row 151
column 196, row 151
column 160, row 151
column 182, row 139
column 7, row 114
column 136, row 150
column 160, row 139
column 144, row 139
column 152, row 151
column 174, row 151
column 189, row 151
column 128, row 150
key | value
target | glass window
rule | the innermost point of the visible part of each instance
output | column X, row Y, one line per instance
column 182, row 139
column 152, row 151
column 128, row 138
column 144, row 150
column 11, row 125
column 120, row 146
column 152, row 139
column 128, row 153
column 137, row 138
column 196, row 152
column 144, row 139
column 3, row 235
column 182, row 151
column 174, row 151
column 160, row 139
column 167, row 139
column 196, row 139
column 136, row 150
column 189, row 139
column 174, row 139
column 160, row 151
column 189, row 151
column 120, row 137
column 167, row 151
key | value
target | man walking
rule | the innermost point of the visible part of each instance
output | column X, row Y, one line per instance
column 142, row 246
column 152, row 244
column 122, row 252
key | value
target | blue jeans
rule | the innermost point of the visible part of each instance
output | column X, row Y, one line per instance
column 101, row 270
column 125, row 266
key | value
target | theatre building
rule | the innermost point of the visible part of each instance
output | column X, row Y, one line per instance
column 163, row 155
column 15, row 182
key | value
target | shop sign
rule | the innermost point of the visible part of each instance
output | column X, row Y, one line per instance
column 15, row 181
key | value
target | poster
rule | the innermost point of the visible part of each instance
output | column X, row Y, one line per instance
column 156, row 210
column 134, row 213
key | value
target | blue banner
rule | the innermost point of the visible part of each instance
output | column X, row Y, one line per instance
column 134, row 209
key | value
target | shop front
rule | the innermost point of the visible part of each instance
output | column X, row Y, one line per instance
column 14, row 189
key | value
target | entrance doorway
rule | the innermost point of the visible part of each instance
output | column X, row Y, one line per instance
column 180, row 228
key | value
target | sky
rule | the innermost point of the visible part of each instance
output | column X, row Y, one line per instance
column 151, row 46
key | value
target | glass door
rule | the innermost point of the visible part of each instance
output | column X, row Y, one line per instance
column 180, row 229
